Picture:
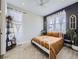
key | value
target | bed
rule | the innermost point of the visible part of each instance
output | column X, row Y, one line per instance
column 51, row 43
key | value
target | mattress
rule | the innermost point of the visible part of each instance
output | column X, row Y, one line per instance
column 54, row 44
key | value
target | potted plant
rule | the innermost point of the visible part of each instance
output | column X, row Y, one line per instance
column 75, row 41
column 72, row 34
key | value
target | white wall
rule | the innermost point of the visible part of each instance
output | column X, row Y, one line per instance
column 32, row 26
column 3, row 26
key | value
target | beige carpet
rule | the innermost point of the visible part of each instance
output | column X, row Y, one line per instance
column 29, row 51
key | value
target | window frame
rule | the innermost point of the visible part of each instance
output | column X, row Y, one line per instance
column 71, row 23
column 52, row 18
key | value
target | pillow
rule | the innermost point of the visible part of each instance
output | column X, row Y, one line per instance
column 55, row 34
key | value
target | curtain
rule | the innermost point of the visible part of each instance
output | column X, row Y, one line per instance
column 17, row 21
column 57, row 22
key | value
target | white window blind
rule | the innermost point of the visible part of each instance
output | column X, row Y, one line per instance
column 57, row 22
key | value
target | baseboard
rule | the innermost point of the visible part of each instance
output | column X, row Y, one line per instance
column 68, row 45
column 75, row 47
column 21, row 43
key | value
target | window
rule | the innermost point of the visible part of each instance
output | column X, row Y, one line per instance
column 72, row 22
column 57, row 22
column 18, row 26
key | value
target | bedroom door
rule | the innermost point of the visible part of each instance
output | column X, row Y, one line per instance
column 3, row 9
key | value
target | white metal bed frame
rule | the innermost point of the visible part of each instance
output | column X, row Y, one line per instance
column 43, row 48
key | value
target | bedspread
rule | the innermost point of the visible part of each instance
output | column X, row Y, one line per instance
column 54, row 44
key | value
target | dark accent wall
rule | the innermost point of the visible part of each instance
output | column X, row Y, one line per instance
column 45, row 25
column 72, row 9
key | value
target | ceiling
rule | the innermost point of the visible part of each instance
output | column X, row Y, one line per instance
column 34, row 7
